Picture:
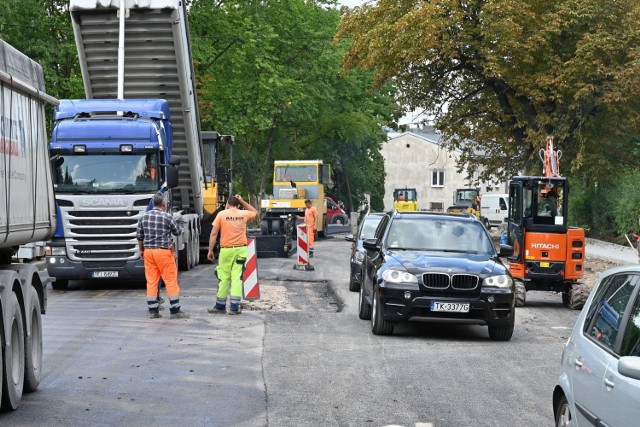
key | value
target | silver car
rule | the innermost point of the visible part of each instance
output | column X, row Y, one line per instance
column 599, row 382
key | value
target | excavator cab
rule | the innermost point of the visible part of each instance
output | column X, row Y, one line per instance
column 547, row 253
column 405, row 199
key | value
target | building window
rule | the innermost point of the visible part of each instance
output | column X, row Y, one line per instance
column 437, row 178
column 436, row 207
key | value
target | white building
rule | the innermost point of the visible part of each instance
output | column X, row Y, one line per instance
column 418, row 159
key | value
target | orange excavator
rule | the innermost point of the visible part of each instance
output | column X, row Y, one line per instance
column 548, row 254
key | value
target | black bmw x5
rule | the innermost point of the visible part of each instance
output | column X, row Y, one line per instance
column 436, row 268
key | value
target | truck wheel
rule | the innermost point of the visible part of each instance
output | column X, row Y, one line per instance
column 1, row 357
column 521, row 294
column 184, row 254
column 339, row 219
column 194, row 251
column 33, row 345
column 60, row 284
column 13, row 375
column 183, row 259
column 197, row 252
column 323, row 233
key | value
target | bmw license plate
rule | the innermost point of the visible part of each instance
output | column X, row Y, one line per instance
column 451, row 307
column 104, row 274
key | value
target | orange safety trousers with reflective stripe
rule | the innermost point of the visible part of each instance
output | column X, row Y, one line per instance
column 161, row 263
column 311, row 236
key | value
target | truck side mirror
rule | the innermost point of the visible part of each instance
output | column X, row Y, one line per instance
column 174, row 160
column 57, row 161
column 172, row 176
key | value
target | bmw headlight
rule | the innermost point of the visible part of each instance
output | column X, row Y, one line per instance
column 359, row 257
column 397, row 276
column 501, row 281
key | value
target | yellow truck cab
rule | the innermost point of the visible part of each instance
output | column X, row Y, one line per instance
column 294, row 181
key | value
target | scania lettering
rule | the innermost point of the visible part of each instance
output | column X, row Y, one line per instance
column 103, row 202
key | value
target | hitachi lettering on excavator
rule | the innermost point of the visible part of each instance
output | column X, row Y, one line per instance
column 545, row 246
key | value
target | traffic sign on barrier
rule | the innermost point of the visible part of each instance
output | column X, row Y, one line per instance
column 250, row 288
column 303, row 249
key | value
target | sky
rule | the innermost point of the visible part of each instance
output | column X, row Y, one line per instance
column 351, row 3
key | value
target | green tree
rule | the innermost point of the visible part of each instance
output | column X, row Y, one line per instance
column 498, row 76
column 269, row 73
column 41, row 29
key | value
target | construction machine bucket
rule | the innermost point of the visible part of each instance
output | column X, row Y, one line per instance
column 273, row 246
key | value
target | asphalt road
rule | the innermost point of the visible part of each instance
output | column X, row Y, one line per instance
column 310, row 362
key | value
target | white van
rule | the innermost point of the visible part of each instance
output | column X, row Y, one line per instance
column 494, row 209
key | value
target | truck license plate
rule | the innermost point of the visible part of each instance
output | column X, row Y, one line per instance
column 104, row 274
column 544, row 264
column 452, row 307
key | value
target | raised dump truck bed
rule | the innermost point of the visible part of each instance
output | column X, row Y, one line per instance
column 157, row 64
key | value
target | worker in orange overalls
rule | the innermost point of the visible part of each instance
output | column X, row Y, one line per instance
column 231, row 223
column 311, row 219
column 153, row 233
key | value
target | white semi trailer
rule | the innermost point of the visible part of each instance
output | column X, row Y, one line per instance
column 27, row 214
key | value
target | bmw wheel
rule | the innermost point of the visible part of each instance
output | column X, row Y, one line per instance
column 353, row 285
column 364, row 309
column 503, row 333
column 379, row 326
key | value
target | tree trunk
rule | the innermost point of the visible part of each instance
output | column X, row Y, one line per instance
column 346, row 182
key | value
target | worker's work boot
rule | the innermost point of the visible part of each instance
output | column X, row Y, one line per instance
column 153, row 314
column 236, row 311
column 180, row 315
column 216, row 310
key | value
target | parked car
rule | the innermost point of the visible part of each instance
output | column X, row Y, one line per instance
column 335, row 214
column 494, row 209
column 599, row 381
column 366, row 230
column 435, row 268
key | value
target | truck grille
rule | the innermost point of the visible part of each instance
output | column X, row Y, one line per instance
column 101, row 235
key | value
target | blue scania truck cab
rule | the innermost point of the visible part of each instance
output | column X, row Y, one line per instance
column 108, row 159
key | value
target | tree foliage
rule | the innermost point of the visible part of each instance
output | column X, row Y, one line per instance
column 269, row 73
column 499, row 75
column 41, row 29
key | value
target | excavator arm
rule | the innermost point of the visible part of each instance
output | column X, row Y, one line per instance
column 550, row 159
